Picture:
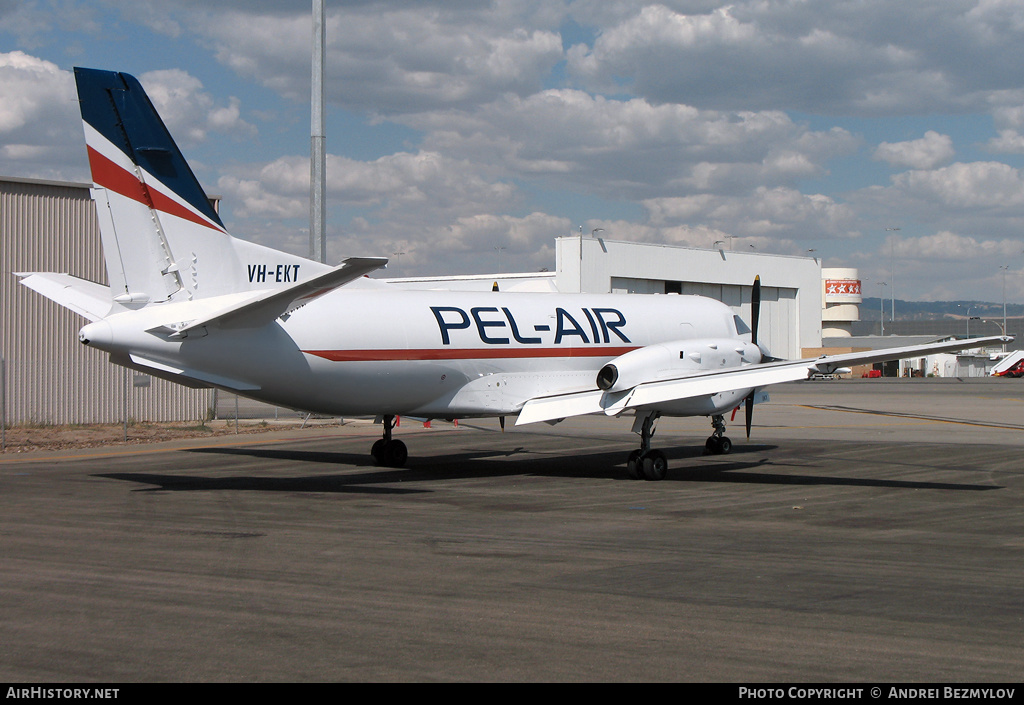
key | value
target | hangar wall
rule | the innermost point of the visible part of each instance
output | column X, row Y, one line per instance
column 791, row 287
column 50, row 378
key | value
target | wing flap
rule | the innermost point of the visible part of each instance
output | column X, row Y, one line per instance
column 648, row 394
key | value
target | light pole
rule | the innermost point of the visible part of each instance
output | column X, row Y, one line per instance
column 1002, row 328
column 976, row 318
column 968, row 318
column 892, row 273
column 499, row 251
column 1005, row 268
column 881, row 310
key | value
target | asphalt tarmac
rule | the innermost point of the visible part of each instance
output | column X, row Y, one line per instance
column 867, row 532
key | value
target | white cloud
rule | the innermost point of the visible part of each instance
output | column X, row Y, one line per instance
column 928, row 152
column 763, row 212
column 391, row 58
column 946, row 245
column 870, row 58
column 39, row 122
column 975, row 185
column 189, row 112
column 1008, row 142
column 632, row 149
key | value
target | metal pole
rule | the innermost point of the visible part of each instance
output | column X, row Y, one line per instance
column 127, row 373
column 881, row 309
column 1004, row 268
column 318, row 155
column 892, row 273
column 3, row 404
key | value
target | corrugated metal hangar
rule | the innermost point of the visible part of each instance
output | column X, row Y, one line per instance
column 51, row 379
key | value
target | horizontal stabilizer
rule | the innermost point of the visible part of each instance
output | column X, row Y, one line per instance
column 86, row 298
column 264, row 306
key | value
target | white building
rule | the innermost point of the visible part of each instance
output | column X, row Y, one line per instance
column 792, row 290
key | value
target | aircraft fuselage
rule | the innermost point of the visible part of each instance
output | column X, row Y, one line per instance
column 434, row 353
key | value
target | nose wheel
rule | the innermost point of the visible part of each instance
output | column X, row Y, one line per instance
column 646, row 463
column 387, row 451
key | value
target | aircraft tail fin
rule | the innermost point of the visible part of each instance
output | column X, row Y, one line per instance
column 162, row 238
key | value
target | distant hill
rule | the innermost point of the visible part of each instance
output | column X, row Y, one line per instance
column 937, row 310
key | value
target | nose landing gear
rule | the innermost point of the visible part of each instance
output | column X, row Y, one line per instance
column 718, row 443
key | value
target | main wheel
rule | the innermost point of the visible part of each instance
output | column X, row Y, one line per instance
column 376, row 449
column 654, row 465
column 395, row 454
column 633, row 465
column 390, row 454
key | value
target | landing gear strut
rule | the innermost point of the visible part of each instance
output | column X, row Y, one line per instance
column 718, row 443
column 645, row 463
column 389, row 452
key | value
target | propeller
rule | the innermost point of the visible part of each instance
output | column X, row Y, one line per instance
column 755, row 318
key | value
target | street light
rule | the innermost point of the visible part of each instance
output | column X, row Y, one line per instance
column 892, row 273
column 1005, row 268
column 1001, row 327
column 881, row 310
column 968, row 318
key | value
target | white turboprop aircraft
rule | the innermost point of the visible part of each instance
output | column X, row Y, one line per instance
column 190, row 303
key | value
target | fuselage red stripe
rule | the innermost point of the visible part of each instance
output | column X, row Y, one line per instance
column 465, row 353
column 109, row 175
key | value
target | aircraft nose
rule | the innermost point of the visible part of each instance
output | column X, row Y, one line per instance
column 97, row 334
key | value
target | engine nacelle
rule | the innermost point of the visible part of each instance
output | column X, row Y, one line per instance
column 674, row 359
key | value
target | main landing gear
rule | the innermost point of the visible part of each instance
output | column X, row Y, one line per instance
column 646, row 463
column 718, row 443
column 387, row 451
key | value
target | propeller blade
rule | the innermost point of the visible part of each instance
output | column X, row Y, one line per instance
column 755, row 319
column 749, row 409
column 755, row 308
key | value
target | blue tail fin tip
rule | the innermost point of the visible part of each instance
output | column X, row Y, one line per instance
column 115, row 105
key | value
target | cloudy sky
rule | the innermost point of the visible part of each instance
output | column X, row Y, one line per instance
column 467, row 135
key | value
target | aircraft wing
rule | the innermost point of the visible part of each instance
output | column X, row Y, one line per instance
column 648, row 394
column 265, row 306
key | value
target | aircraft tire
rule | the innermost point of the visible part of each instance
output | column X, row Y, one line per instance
column 375, row 450
column 633, row 466
column 655, row 465
column 395, row 454
column 724, row 445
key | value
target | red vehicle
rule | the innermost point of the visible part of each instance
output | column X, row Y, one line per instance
column 1010, row 366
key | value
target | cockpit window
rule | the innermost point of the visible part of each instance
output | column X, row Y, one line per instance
column 741, row 327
